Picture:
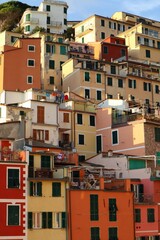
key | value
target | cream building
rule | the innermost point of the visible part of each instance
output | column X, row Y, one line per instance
column 51, row 15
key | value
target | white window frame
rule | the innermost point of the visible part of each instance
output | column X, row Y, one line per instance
column 115, row 130
column 37, row 217
column 31, row 46
column 7, row 177
column 30, row 60
column 28, row 80
column 19, row 214
column 57, row 220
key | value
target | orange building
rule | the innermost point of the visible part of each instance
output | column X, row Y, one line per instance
column 20, row 65
column 100, row 209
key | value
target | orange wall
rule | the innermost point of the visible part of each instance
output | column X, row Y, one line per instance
column 79, row 214
column 15, row 66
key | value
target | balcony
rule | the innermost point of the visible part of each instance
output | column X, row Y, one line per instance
column 143, row 198
column 83, row 50
column 43, row 173
column 12, row 156
column 55, row 24
column 32, row 21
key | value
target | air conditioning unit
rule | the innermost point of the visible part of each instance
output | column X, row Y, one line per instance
column 158, row 173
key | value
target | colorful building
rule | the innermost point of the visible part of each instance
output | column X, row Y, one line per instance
column 13, row 194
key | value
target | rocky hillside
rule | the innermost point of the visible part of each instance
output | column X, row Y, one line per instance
column 10, row 14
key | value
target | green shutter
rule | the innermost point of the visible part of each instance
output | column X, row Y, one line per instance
column 112, row 209
column 56, row 189
column 150, row 214
column 87, row 76
column 13, row 178
column 98, row 78
column 39, row 188
column 31, row 188
column 49, row 219
column 137, row 215
column 95, row 233
column 113, row 233
column 13, row 215
column 94, row 207
column 44, row 220
column 64, row 220
column 63, row 50
column 30, row 222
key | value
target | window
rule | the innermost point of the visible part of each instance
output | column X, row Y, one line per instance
column 112, row 232
column 158, row 44
column 31, row 48
column 112, row 209
column 105, row 49
column 92, row 120
column 109, row 96
column 30, row 62
column 86, row 76
column 37, row 219
column 28, row 17
column 131, row 83
column 157, row 89
column 59, row 220
column 48, row 20
column 60, row 40
column 50, row 48
column 35, row 188
column 51, row 80
column 63, row 50
column 95, row 233
column 98, row 78
column 27, row 28
column 29, row 79
column 65, row 21
column 120, row 83
column 51, row 64
column 123, row 52
column 109, row 81
column 113, row 69
column 79, row 118
column 137, row 215
column 61, row 65
column 46, row 219
column 94, row 207
column 102, row 22
column 13, row 39
column 81, row 158
column 87, row 93
column 147, row 87
column 114, row 137
column 13, row 215
column 65, row 10
column 56, row 189
column 157, row 134
column 148, row 54
column 99, row 95
column 103, row 35
column 48, row 8
column 81, row 139
column 40, row 135
column 66, row 117
column 13, row 178
column 45, row 162
column 150, row 215
column 82, row 39
column 40, row 114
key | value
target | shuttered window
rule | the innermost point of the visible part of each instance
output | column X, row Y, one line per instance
column 94, row 208
column 13, row 215
column 56, row 189
column 13, row 178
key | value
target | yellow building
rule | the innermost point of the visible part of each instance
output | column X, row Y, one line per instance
column 46, row 198
column 97, row 28
column 9, row 38
column 54, row 52
column 82, row 119
column 85, row 77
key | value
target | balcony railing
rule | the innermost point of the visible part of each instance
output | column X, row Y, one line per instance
column 12, row 156
column 44, row 173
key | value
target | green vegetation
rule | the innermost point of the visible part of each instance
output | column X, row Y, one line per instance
column 11, row 13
